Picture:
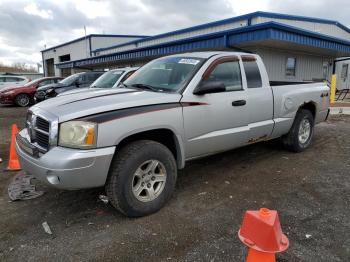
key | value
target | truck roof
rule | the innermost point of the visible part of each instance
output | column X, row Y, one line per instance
column 209, row 54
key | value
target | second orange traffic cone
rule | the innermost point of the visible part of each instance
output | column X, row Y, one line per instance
column 13, row 159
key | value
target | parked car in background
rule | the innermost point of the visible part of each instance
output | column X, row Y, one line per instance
column 110, row 79
column 79, row 80
column 7, row 81
column 132, row 140
column 24, row 95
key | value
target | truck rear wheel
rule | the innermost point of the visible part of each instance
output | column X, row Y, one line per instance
column 300, row 135
column 142, row 178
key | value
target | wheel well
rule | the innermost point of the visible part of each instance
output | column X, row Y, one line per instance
column 163, row 136
column 311, row 107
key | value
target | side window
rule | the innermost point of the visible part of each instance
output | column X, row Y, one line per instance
column 94, row 76
column 252, row 73
column 290, row 66
column 44, row 83
column 11, row 79
column 2, row 79
column 83, row 79
column 228, row 73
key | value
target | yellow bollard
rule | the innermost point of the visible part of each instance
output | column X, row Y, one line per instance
column 333, row 88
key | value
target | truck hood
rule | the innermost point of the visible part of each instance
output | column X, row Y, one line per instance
column 68, row 107
column 78, row 90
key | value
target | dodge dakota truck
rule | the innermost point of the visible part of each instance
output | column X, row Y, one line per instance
column 135, row 138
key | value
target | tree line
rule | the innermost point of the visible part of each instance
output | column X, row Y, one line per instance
column 18, row 67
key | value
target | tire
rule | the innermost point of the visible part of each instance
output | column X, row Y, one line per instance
column 296, row 140
column 125, row 179
column 22, row 100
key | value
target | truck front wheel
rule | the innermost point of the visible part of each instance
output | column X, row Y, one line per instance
column 142, row 178
column 300, row 135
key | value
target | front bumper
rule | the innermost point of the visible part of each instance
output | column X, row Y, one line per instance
column 6, row 99
column 67, row 168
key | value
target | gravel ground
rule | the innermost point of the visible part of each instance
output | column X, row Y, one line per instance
column 310, row 190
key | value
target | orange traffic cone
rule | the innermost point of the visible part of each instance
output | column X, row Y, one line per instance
column 13, row 159
column 261, row 232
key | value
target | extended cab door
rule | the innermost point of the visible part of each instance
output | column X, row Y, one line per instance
column 259, row 99
column 216, row 121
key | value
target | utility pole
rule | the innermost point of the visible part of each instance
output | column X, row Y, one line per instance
column 86, row 43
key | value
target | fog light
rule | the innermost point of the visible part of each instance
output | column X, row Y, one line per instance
column 54, row 180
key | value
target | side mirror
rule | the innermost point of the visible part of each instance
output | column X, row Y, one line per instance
column 77, row 83
column 208, row 87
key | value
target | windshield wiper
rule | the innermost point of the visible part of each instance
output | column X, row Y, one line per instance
column 147, row 87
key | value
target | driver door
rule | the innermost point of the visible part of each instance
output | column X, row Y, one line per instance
column 217, row 121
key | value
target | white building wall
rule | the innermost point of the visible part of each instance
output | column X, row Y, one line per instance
column 76, row 50
column 179, row 36
column 81, row 49
column 326, row 29
column 308, row 67
column 102, row 42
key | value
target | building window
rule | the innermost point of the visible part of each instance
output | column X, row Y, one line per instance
column 290, row 66
column 344, row 71
column 252, row 74
column 64, row 58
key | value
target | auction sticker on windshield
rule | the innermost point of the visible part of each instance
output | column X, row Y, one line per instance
column 189, row 61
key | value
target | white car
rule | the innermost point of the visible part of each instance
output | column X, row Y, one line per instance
column 6, row 81
column 110, row 79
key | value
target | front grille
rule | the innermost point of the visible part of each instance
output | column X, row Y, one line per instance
column 42, row 124
column 42, row 140
column 39, row 131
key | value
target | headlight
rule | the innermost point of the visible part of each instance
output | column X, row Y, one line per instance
column 49, row 90
column 9, row 92
column 78, row 134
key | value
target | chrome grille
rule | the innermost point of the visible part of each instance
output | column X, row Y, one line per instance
column 42, row 124
column 42, row 139
column 39, row 131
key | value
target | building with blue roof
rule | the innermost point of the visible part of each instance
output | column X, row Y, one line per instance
column 294, row 48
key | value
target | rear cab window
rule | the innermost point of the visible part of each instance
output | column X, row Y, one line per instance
column 252, row 72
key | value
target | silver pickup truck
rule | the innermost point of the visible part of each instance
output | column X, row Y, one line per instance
column 133, row 139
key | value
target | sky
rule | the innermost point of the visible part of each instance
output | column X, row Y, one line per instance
column 27, row 27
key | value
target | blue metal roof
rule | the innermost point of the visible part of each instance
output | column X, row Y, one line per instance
column 230, row 38
column 247, row 17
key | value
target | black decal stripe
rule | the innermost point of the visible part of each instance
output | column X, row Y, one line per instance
column 120, row 113
column 185, row 104
column 92, row 97
column 112, row 115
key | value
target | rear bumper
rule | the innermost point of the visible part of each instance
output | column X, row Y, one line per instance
column 67, row 168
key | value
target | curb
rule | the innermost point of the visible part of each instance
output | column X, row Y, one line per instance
column 339, row 110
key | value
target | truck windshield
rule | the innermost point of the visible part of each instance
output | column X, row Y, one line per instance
column 108, row 79
column 168, row 74
column 70, row 79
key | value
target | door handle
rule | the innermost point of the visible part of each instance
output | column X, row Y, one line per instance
column 239, row 103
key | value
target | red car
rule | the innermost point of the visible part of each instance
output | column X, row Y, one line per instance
column 24, row 95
